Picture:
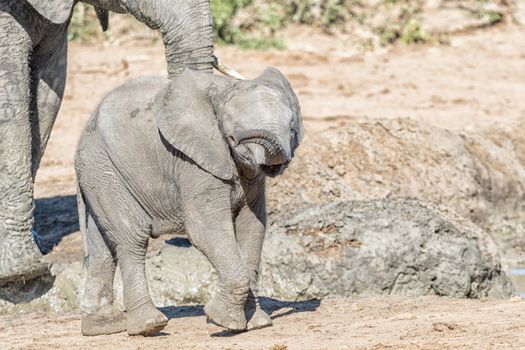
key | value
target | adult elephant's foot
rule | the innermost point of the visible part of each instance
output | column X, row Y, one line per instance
column 106, row 320
column 20, row 259
column 226, row 315
column 145, row 320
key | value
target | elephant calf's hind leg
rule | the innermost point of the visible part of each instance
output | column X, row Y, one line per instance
column 143, row 318
column 99, row 315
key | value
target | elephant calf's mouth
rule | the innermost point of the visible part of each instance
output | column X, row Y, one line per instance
column 275, row 169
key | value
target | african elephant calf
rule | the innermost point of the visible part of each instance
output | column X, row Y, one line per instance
column 187, row 155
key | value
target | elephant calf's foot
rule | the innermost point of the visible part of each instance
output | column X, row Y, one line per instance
column 224, row 315
column 107, row 320
column 145, row 320
column 259, row 319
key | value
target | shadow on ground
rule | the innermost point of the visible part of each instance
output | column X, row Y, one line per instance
column 182, row 311
column 55, row 218
column 26, row 291
column 271, row 306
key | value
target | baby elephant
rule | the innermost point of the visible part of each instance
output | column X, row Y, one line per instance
column 186, row 155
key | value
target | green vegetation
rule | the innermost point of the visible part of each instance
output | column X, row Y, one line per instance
column 481, row 12
column 256, row 33
column 413, row 33
column 223, row 12
column 254, row 23
column 401, row 23
column 325, row 13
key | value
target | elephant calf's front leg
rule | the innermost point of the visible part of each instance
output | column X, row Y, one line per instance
column 250, row 227
column 209, row 224
column 226, row 309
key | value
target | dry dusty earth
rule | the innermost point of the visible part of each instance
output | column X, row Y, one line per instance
column 373, row 323
column 478, row 80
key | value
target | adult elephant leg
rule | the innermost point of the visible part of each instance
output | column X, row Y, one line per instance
column 48, row 70
column 19, row 255
column 250, row 228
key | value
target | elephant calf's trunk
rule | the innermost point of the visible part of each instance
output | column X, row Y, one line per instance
column 260, row 137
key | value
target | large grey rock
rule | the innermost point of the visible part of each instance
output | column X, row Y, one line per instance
column 356, row 248
column 363, row 248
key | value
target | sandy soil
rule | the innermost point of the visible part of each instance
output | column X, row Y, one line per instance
column 476, row 81
column 375, row 323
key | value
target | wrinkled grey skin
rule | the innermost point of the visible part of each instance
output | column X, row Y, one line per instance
column 33, row 52
column 190, row 155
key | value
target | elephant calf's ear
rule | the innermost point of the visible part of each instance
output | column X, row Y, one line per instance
column 186, row 119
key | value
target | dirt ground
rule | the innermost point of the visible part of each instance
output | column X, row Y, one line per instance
column 372, row 323
column 477, row 80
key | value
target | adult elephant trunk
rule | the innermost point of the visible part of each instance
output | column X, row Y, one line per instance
column 186, row 29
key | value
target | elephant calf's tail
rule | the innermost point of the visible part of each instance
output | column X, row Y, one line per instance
column 82, row 221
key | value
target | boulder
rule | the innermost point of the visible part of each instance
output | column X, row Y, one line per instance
column 365, row 248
